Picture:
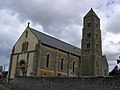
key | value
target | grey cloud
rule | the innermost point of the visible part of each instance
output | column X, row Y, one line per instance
column 10, row 29
column 112, row 59
column 49, row 12
column 5, row 49
column 53, row 15
column 3, row 60
column 113, row 43
column 110, row 2
column 114, row 26
column 113, row 55
column 3, row 3
column 69, row 33
column 117, row 44
column 57, row 17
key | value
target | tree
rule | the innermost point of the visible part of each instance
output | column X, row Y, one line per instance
column 115, row 71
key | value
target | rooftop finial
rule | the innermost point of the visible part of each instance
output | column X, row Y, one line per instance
column 28, row 24
column 91, row 7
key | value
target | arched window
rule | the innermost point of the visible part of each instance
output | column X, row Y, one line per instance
column 96, row 25
column 25, row 47
column 22, row 66
column 47, row 60
column 89, row 24
column 88, row 45
column 88, row 35
column 73, row 68
column 62, row 63
column 26, row 34
column 96, row 36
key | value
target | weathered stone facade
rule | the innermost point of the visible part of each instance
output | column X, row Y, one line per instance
column 32, row 62
column 91, row 48
column 38, row 54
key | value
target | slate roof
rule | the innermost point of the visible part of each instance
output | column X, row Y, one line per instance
column 51, row 41
column 104, row 58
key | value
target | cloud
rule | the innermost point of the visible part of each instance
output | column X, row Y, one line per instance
column 110, row 2
column 10, row 26
column 61, row 19
column 111, row 47
column 11, row 29
column 49, row 12
column 113, row 23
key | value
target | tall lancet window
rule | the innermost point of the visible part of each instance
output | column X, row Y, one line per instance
column 88, row 45
column 89, row 24
column 47, row 60
column 73, row 68
column 26, row 34
column 88, row 35
column 62, row 60
column 25, row 47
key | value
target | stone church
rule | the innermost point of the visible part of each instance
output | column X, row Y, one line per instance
column 38, row 54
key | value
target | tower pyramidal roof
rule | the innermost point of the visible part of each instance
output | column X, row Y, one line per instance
column 91, row 13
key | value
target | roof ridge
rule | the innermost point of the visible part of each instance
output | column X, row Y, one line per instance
column 55, row 38
column 56, row 43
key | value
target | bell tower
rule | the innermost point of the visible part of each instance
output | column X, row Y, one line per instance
column 91, row 48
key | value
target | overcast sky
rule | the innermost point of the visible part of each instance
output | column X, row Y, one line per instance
column 62, row 19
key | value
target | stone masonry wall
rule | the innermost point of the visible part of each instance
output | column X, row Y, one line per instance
column 68, row 83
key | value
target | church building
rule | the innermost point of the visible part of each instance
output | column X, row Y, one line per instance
column 38, row 54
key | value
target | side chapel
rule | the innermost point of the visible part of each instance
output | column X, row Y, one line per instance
column 38, row 54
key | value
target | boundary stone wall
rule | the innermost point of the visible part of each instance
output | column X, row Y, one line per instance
column 67, row 83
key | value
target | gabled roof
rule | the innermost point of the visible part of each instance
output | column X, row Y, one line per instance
column 51, row 41
column 104, row 58
column 91, row 13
